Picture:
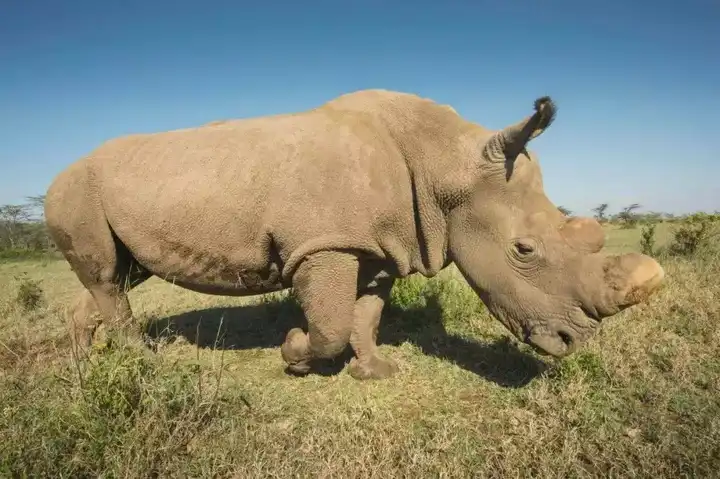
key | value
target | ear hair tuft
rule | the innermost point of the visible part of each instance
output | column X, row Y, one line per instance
column 547, row 109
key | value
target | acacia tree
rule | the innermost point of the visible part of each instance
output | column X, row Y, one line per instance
column 565, row 211
column 40, row 237
column 600, row 212
column 37, row 205
column 627, row 216
column 12, row 221
column 22, row 226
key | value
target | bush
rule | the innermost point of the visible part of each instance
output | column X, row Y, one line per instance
column 647, row 239
column 29, row 293
column 696, row 232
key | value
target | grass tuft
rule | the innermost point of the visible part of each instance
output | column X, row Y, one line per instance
column 29, row 294
column 125, row 413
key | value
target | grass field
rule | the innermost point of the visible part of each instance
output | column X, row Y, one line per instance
column 642, row 399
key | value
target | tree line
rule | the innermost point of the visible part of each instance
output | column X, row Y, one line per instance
column 630, row 217
column 22, row 226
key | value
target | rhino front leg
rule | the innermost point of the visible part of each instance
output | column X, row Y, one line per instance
column 326, row 287
column 369, row 363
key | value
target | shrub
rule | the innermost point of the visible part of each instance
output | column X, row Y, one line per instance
column 29, row 293
column 695, row 232
column 647, row 239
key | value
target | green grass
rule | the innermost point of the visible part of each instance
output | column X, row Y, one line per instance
column 622, row 240
column 641, row 399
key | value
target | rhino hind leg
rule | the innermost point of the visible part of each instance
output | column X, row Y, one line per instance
column 93, row 307
column 368, row 363
column 83, row 319
column 325, row 284
column 108, row 272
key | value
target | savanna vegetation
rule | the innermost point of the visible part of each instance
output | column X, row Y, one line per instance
column 212, row 400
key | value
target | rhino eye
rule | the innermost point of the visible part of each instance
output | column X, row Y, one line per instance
column 523, row 248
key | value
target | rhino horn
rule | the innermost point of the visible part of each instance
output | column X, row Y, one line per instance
column 507, row 143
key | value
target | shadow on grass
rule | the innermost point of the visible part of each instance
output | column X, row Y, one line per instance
column 265, row 325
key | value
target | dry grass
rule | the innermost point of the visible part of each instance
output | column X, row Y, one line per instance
column 641, row 399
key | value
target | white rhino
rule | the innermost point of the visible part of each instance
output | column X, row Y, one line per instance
column 337, row 202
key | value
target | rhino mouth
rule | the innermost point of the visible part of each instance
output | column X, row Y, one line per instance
column 558, row 341
column 557, row 345
column 591, row 313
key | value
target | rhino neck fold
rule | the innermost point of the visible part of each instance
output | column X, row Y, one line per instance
column 430, row 228
column 428, row 136
column 430, row 139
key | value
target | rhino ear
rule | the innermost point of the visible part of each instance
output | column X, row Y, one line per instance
column 507, row 143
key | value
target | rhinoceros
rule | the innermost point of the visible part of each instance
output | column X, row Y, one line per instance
column 337, row 202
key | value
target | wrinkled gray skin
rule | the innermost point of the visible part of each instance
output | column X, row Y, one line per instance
column 337, row 202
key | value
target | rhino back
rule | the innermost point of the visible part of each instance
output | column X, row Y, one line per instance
column 201, row 205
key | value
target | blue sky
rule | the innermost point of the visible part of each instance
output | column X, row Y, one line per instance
column 637, row 83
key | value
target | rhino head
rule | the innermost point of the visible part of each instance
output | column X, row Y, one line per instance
column 542, row 274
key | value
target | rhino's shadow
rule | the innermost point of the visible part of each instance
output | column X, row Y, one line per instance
column 265, row 325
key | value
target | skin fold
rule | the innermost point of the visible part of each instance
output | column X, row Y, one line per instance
column 337, row 202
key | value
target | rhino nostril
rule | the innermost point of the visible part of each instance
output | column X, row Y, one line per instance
column 566, row 338
column 591, row 312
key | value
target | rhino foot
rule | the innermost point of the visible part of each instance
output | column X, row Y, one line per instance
column 294, row 351
column 376, row 367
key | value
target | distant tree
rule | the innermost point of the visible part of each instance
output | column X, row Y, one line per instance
column 12, row 221
column 628, row 218
column 652, row 217
column 600, row 212
column 36, row 205
column 23, row 228
column 565, row 211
